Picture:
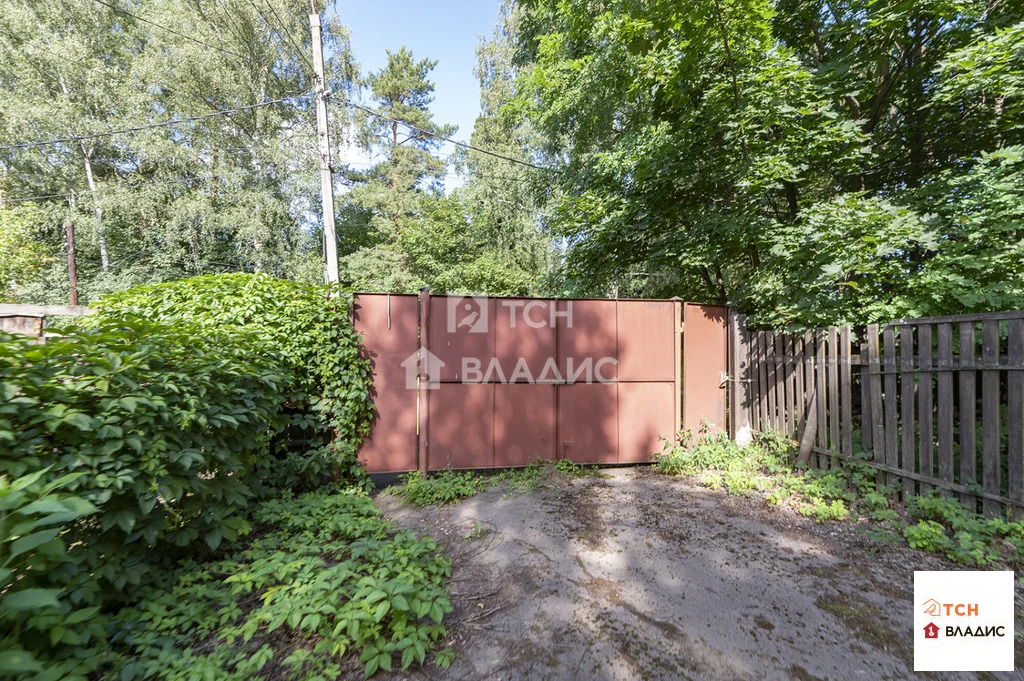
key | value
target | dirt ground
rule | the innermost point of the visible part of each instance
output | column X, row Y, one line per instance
column 637, row 576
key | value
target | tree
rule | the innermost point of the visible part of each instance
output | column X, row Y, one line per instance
column 385, row 199
column 786, row 157
column 22, row 256
column 230, row 192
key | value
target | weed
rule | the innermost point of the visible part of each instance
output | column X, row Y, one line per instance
column 539, row 474
column 823, row 511
column 479, row 530
column 444, row 487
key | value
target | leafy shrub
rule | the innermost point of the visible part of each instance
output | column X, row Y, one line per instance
column 711, row 451
column 303, row 331
column 162, row 428
column 325, row 576
column 823, row 511
column 31, row 517
column 928, row 535
column 443, row 487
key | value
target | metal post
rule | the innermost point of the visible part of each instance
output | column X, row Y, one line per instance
column 423, row 412
column 323, row 134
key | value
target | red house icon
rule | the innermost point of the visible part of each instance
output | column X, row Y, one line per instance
column 931, row 630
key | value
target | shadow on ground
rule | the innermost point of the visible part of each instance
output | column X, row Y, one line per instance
column 637, row 576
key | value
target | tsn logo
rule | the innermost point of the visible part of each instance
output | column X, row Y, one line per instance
column 935, row 609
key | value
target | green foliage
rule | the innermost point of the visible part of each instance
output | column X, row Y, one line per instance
column 32, row 515
column 443, row 487
column 159, row 428
column 479, row 530
column 823, row 511
column 928, row 535
column 540, row 474
column 23, row 257
column 227, row 193
column 300, row 330
column 325, row 576
column 814, row 162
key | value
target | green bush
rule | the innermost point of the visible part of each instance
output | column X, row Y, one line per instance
column 301, row 330
column 444, row 487
column 326, row 575
column 162, row 428
column 32, row 514
column 711, row 451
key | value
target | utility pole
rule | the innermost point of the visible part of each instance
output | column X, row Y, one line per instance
column 326, row 179
column 69, row 228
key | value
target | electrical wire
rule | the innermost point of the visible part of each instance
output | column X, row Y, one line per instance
column 170, row 30
column 138, row 128
column 464, row 145
column 286, row 34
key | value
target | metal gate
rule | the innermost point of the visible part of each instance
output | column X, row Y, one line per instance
column 472, row 382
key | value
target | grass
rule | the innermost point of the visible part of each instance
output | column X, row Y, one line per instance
column 450, row 487
column 440, row 488
column 930, row 522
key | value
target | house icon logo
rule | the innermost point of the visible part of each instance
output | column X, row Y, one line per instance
column 931, row 630
column 932, row 607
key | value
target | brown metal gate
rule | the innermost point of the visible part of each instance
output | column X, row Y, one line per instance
column 471, row 382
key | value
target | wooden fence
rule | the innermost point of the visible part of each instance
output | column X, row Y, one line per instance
column 936, row 402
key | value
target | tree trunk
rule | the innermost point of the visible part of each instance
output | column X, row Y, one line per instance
column 97, row 210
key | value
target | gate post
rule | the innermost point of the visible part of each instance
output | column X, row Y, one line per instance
column 423, row 403
column 678, row 346
column 739, row 370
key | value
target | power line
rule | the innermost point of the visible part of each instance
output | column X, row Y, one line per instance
column 138, row 128
column 284, row 32
column 170, row 30
column 440, row 137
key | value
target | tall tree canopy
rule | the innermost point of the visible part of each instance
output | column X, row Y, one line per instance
column 811, row 161
column 227, row 192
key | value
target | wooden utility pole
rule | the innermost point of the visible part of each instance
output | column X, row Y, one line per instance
column 69, row 228
column 326, row 179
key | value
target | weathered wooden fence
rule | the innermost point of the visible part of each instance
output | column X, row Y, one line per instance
column 937, row 402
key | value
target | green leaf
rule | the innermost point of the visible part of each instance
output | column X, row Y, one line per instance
column 18, row 660
column 31, row 541
column 30, row 599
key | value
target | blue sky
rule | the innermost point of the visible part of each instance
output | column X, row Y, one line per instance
column 445, row 30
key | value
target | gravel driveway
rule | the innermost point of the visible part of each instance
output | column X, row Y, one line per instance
column 637, row 576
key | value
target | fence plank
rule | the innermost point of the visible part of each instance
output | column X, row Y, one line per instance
column 791, row 407
column 866, row 418
column 891, row 402
column 753, row 348
column 799, row 415
column 968, row 408
column 1015, row 420
column 846, row 390
column 822, row 395
column 762, row 378
column 877, row 420
column 990, row 413
column 769, row 346
column 924, row 406
column 780, row 382
column 810, row 395
column 944, row 409
column 833, row 392
column 907, row 405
